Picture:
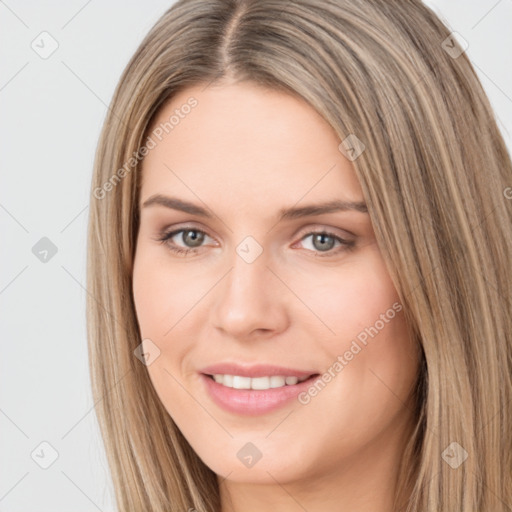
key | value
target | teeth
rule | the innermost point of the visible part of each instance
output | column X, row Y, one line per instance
column 260, row 383
column 241, row 382
column 276, row 381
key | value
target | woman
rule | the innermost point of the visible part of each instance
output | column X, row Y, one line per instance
column 299, row 265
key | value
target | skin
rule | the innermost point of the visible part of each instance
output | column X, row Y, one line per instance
column 245, row 152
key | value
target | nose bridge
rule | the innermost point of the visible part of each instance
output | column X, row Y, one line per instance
column 249, row 271
column 247, row 300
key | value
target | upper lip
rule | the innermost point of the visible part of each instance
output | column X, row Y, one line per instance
column 254, row 370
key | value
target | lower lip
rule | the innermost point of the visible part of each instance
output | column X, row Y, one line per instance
column 251, row 401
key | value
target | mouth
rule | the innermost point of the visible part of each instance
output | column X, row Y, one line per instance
column 251, row 396
column 260, row 383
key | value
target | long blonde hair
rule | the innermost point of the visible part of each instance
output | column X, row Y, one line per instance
column 435, row 173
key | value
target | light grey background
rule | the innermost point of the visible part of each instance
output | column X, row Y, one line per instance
column 51, row 113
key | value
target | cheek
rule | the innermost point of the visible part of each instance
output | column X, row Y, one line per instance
column 171, row 313
column 363, row 328
column 161, row 295
column 162, row 299
column 352, row 297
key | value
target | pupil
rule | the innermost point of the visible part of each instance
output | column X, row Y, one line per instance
column 196, row 238
column 323, row 246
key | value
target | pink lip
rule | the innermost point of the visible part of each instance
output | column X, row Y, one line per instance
column 252, row 402
column 258, row 370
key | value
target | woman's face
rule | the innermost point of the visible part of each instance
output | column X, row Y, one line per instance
column 263, row 293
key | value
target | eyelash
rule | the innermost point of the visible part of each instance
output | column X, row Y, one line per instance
column 165, row 237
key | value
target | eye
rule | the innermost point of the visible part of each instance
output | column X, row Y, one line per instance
column 191, row 237
column 324, row 242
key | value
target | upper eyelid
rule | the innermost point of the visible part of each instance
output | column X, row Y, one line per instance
column 175, row 231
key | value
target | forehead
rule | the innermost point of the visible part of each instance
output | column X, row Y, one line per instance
column 245, row 145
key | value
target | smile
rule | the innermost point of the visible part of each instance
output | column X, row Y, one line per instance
column 252, row 396
column 257, row 383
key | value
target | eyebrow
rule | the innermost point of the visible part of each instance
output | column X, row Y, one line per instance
column 284, row 214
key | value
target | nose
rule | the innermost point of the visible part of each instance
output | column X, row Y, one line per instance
column 250, row 300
